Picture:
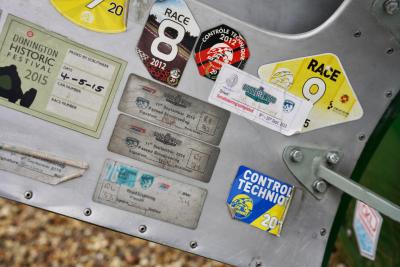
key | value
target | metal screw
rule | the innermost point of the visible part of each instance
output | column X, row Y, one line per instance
column 142, row 229
column 296, row 155
column 258, row 264
column 87, row 212
column 320, row 186
column 193, row 244
column 357, row 34
column 389, row 94
column 391, row 7
column 333, row 158
column 390, row 51
column 322, row 232
column 28, row 194
column 361, row 137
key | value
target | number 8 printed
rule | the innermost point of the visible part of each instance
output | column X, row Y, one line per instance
column 162, row 38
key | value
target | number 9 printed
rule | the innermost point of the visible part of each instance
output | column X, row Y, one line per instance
column 167, row 40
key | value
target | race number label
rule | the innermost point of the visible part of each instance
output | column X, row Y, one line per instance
column 259, row 200
column 367, row 226
column 322, row 80
column 167, row 40
column 150, row 144
column 263, row 103
column 218, row 46
column 107, row 16
column 55, row 79
column 181, row 113
column 138, row 191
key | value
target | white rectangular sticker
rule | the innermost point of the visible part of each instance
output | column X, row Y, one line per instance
column 38, row 165
column 261, row 102
column 135, row 190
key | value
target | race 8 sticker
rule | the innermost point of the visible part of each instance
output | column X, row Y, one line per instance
column 167, row 40
column 107, row 16
column 218, row 46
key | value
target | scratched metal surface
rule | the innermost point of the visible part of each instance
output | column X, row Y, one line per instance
column 370, row 70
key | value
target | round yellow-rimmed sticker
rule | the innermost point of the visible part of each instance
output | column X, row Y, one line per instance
column 109, row 16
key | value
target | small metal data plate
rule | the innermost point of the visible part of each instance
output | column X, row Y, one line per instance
column 154, row 145
column 135, row 190
column 171, row 109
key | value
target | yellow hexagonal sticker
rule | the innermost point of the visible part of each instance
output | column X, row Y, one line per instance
column 107, row 16
column 321, row 79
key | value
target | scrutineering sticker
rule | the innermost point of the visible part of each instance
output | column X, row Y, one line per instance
column 259, row 200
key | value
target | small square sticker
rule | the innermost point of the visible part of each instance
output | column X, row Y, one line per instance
column 259, row 200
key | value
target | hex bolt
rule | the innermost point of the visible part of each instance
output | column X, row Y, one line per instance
column 320, row 186
column 333, row 158
column 87, row 212
column 193, row 244
column 296, row 155
column 391, row 7
column 28, row 194
column 142, row 229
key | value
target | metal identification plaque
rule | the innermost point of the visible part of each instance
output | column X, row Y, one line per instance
column 55, row 79
column 134, row 190
column 158, row 104
column 151, row 144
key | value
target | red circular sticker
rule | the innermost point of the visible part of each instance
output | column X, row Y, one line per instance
column 218, row 46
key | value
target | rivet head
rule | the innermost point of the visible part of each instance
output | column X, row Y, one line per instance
column 323, row 232
column 296, row 155
column 391, row 7
column 87, row 212
column 193, row 244
column 320, row 186
column 142, row 229
column 333, row 158
column 28, row 194
column 389, row 94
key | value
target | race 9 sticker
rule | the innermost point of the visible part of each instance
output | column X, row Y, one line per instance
column 218, row 46
column 107, row 16
column 167, row 40
column 322, row 81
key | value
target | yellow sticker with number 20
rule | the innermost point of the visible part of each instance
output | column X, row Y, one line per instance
column 320, row 79
column 108, row 16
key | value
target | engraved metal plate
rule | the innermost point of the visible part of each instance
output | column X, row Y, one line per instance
column 134, row 190
column 184, row 114
column 157, row 146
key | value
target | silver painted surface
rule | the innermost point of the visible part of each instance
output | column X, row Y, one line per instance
column 371, row 71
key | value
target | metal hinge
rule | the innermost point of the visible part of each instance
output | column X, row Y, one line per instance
column 314, row 168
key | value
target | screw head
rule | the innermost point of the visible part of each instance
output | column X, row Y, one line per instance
column 391, row 7
column 142, row 229
column 296, row 155
column 87, row 212
column 258, row 264
column 320, row 186
column 362, row 137
column 333, row 158
column 28, row 194
column 193, row 244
